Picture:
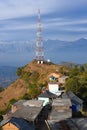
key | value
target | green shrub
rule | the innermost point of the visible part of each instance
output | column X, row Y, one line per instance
column 26, row 96
column 19, row 71
column 12, row 101
column 34, row 90
column 1, row 89
column 26, row 75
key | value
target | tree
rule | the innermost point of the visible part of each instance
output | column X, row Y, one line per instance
column 61, row 70
column 83, row 92
column 34, row 90
column 85, row 66
column 73, row 85
column 75, row 71
column 82, row 69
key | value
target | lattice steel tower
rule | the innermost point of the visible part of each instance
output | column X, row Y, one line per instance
column 39, row 42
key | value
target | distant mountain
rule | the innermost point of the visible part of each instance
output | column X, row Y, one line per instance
column 16, row 53
column 74, row 51
column 19, row 53
column 15, row 46
column 7, row 75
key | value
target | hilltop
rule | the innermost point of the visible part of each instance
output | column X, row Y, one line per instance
column 31, row 78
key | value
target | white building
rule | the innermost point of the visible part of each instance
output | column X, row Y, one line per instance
column 54, row 88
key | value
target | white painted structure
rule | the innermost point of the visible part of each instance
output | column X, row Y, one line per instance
column 54, row 88
column 40, row 62
column 44, row 99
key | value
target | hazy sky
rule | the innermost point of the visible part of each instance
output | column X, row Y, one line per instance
column 61, row 19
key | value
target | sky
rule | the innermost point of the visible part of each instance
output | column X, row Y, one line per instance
column 61, row 19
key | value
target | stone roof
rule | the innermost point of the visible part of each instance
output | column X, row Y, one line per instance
column 27, row 113
column 73, row 97
column 60, row 109
column 61, row 102
column 19, row 103
column 60, row 114
column 33, row 103
column 68, row 124
column 30, row 103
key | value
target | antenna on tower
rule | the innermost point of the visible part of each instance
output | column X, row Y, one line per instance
column 39, row 42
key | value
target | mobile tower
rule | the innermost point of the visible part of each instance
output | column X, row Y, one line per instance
column 39, row 42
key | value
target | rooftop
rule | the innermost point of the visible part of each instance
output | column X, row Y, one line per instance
column 30, row 103
column 28, row 113
column 47, row 94
column 19, row 103
column 61, row 102
column 60, row 114
column 33, row 103
column 68, row 124
column 72, row 96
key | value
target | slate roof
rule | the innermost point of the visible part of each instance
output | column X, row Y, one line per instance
column 20, row 102
column 21, row 123
column 62, row 102
column 73, row 97
column 68, row 124
column 60, row 109
column 47, row 94
column 60, row 114
column 30, row 103
column 27, row 113
column 33, row 103
column 61, row 125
